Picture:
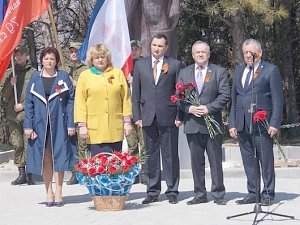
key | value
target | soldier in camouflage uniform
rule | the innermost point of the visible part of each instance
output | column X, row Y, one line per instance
column 135, row 139
column 74, row 67
column 14, row 113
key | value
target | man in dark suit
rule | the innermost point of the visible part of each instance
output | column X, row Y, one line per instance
column 212, row 85
column 154, row 80
column 260, row 90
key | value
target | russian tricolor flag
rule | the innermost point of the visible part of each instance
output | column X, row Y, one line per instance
column 108, row 25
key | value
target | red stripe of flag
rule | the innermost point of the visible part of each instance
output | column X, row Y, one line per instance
column 19, row 13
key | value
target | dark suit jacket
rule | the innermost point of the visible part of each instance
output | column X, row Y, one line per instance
column 268, row 95
column 150, row 100
column 215, row 94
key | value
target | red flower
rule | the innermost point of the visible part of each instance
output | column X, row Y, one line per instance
column 260, row 116
column 101, row 170
column 125, row 168
column 189, row 94
column 178, row 85
column 92, row 171
column 114, row 164
column 173, row 98
column 57, row 89
column 182, row 91
column 84, row 170
column 112, row 169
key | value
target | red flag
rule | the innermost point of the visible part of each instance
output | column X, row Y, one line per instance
column 18, row 14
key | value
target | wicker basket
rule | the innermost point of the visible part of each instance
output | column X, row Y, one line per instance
column 109, row 203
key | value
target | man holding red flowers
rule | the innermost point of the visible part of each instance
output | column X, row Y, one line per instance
column 206, row 91
column 257, row 85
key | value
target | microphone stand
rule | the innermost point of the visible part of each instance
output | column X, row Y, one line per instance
column 257, row 208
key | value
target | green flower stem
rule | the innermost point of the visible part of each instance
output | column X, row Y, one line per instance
column 213, row 127
column 266, row 125
column 280, row 150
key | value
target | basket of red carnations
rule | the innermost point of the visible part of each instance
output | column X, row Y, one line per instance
column 108, row 178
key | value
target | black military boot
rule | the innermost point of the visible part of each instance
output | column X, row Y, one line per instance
column 73, row 179
column 30, row 179
column 21, row 179
column 142, row 175
column 137, row 179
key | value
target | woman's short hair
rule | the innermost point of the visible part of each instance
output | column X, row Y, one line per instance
column 49, row 50
column 98, row 50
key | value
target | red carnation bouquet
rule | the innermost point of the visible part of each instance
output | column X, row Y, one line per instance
column 261, row 118
column 188, row 94
column 111, row 165
column 108, row 173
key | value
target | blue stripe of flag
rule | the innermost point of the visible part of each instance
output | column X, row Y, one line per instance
column 83, row 49
column 3, row 6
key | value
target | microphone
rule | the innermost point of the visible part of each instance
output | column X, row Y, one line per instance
column 253, row 54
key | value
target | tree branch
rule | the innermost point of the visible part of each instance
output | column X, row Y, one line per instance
column 202, row 13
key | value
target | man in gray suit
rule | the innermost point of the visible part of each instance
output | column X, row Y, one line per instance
column 213, row 88
column 259, row 89
column 154, row 80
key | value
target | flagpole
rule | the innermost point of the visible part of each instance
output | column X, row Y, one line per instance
column 50, row 13
column 14, row 75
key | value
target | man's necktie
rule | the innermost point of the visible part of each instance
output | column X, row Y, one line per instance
column 246, row 84
column 155, row 70
column 199, row 79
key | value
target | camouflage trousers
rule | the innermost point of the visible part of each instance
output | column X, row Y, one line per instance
column 19, row 142
column 81, row 147
column 135, row 140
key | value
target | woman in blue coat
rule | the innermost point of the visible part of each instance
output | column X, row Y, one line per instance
column 49, row 124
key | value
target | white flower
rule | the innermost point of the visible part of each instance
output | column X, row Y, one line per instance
column 60, row 82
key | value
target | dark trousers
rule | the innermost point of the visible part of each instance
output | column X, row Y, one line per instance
column 95, row 149
column 161, row 140
column 263, row 145
column 198, row 144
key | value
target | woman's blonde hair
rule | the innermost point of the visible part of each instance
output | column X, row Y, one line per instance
column 98, row 50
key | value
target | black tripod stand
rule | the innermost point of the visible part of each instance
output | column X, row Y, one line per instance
column 257, row 208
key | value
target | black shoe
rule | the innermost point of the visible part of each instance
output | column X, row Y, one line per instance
column 29, row 179
column 195, row 201
column 72, row 180
column 220, row 201
column 150, row 199
column 173, row 199
column 246, row 200
column 21, row 179
column 267, row 201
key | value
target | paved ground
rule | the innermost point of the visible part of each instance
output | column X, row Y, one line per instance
column 23, row 205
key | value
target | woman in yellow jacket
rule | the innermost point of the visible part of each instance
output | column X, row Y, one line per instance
column 102, row 103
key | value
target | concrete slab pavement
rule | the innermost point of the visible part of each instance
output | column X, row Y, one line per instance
column 23, row 205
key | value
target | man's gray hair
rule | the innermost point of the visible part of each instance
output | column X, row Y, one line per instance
column 252, row 41
column 201, row 42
